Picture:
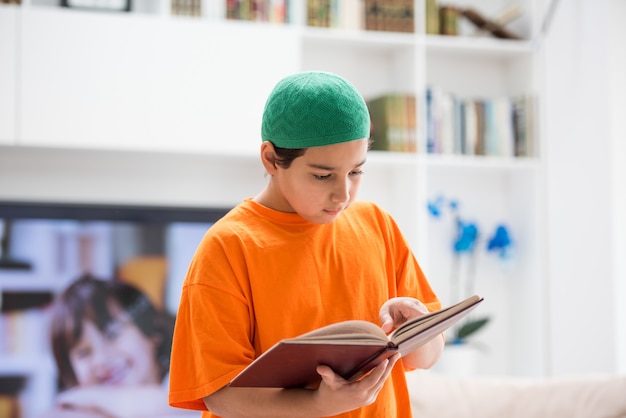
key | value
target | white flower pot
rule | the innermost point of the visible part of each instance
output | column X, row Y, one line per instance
column 458, row 360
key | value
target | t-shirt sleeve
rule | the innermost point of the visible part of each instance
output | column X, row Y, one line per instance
column 410, row 279
column 212, row 336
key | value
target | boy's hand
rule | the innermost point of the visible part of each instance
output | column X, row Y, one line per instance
column 344, row 396
column 396, row 311
column 333, row 396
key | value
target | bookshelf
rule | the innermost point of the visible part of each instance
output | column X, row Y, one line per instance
column 142, row 89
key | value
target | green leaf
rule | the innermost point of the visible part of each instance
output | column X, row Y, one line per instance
column 470, row 327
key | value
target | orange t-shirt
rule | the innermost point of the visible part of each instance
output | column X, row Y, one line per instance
column 260, row 275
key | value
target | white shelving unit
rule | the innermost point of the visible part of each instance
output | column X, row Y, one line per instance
column 491, row 189
column 174, row 103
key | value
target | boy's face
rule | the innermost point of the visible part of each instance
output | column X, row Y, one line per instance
column 322, row 183
column 122, row 355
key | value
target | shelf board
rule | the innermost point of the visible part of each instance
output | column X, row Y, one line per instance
column 391, row 158
column 449, row 161
column 358, row 38
column 481, row 162
column 477, row 46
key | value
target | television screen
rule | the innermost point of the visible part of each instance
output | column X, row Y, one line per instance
column 76, row 283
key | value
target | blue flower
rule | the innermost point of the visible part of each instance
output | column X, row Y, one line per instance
column 466, row 238
column 500, row 242
column 434, row 206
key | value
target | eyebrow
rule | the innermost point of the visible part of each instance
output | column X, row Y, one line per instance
column 329, row 168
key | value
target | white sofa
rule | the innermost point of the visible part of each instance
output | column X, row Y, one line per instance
column 436, row 395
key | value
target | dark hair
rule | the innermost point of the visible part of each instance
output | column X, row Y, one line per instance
column 285, row 156
column 89, row 298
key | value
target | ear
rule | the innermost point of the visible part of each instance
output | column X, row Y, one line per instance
column 268, row 157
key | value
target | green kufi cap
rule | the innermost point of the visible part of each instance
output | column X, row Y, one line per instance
column 313, row 109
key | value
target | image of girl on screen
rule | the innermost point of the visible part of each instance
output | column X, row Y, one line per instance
column 111, row 346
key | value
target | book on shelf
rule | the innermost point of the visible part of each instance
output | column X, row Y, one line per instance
column 272, row 11
column 316, row 10
column 523, row 108
column 499, row 126
column 351, row 348
column 432, row 17
column 343, row 14
column 448, row 20
column 11, row 388
column 390, row 15
column 478, row 107
column 186, row 8
column 393, row 122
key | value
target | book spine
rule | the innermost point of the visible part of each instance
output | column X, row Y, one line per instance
column 375, row 360
column 432, row 17
column 393, row 119
column 448, row 20
column 498, row 126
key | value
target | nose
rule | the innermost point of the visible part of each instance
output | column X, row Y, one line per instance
column 100, row 354
column 341, row 191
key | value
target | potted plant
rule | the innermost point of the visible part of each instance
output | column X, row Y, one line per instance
column 460, row 352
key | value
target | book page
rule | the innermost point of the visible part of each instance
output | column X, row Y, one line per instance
column 445, row 315
column 353, row 330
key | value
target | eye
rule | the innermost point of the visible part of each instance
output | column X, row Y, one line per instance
column 321, row 178
column 356, row 173
column 81, row 352
column 113, row 331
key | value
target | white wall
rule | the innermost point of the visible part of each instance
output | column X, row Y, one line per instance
column 617, row 109
column 584, row 295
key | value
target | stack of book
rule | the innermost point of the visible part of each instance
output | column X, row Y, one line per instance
column 343, row 14
column 390, row 15
column 382, row 15
column 393, row 118
column 272, row 11
column 186, row 8
column 502, row 126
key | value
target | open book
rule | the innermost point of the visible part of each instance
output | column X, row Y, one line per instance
column 351, row 348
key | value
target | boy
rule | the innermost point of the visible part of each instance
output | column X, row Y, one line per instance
column 300, row 255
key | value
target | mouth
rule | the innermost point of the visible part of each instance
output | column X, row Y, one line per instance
column 333, row 212
column 113, row 375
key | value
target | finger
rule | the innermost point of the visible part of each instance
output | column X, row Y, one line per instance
column 376, row 380
column 391, row 362
column 385, row 317
column 387, row 371
column 325, row 371
column 377, row 376
column 329, row 377
column 377, row 373
column 387, row 324
column 409, row 309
